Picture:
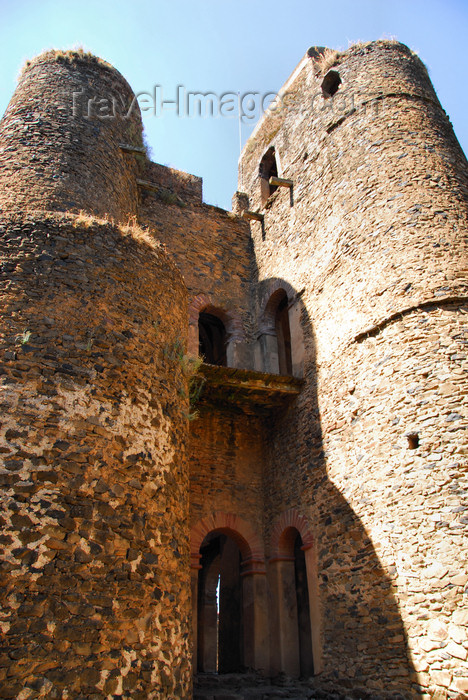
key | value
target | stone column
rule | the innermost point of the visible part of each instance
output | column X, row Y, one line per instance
column 268, row 342
column 193, row 338
column 230, row 612
column 255, row 603
column 285, row 638
column 208, row 619
column 297, row 339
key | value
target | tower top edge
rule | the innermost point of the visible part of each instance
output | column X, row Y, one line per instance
column 71, row 58
column 323, row 59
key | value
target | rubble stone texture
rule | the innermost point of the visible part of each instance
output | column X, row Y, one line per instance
column 375, row 243
column 95, row 584
column 367, row 464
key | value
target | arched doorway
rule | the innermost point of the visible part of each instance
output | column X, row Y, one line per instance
column 275, row 335
column 295, row 591
column 220, row 606
column 229, row 595
column 212, row 339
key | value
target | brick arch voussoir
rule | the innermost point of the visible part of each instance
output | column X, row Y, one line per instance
column 231, row 319
column 197, row 304
column 281, row 544
column 241, row 531
column 271, row 298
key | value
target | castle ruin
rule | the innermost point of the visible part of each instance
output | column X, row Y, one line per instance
column 296, row 506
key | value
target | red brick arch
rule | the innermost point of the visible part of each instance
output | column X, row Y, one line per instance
column 271, row 299
column 231, row 319
column 242, row 532
column 282, row 536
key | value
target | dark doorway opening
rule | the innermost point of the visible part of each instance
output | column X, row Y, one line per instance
column 220, row 619
column 306, row 658
column 283, row 334
column 212, row 339
column 296, row 650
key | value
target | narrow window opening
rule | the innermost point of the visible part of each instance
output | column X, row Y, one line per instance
column 212, row 339
column 268, row 168
column 330, row 83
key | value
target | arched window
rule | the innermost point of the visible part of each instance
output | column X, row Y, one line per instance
column 268, row 168
column 212, row 339
column 330, row 83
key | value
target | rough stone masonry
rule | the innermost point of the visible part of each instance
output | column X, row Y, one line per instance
column 319, row 484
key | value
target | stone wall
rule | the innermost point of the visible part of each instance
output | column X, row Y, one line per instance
column 213, row 251
column 372, row 243
column 226, row 465
column 95, row 581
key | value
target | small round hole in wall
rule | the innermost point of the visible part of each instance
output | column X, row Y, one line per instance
column 330, row 83
column 413, row 440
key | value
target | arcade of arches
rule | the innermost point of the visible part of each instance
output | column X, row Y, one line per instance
column 280, row 344
column 249, row 613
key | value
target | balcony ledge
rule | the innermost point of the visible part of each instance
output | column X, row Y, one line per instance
column 248, row 390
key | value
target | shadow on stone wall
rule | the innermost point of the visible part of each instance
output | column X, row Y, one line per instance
column 364, row 643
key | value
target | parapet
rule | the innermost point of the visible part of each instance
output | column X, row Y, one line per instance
column 172, row 184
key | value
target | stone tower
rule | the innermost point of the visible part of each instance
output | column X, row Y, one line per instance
column 369, row 229
column 322, row 491
column 94, row 478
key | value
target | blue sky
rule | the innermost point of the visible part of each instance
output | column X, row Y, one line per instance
column 229, row 46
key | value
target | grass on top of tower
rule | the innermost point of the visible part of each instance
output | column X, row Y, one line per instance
column 328, row 59
column 332, row 57
column 70, row 56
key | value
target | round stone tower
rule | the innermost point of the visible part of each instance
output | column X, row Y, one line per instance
column 95, row 586
column 62, row 134
column 372, row 236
